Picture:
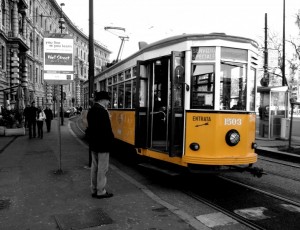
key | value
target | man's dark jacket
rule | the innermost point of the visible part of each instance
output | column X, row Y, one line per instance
column 32, row 113
column 49, row 114
column 99, row 131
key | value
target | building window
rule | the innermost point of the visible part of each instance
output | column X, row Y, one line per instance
column 30, row 8
column 11, row 19
column 36, row 75
column 30, row 73
column 37, row 46
column 42, row 77
column 20, row 23
column 36, row 15
column 3, row 12
column 3, row 57
column 31, row 41
column 42, row 49
column 41, row 20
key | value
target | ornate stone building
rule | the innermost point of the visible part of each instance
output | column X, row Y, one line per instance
column 23, row 25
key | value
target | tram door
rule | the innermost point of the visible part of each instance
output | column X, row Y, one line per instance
column 159, row 114
column 159, row 108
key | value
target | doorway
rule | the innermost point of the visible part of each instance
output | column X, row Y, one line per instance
column 159, row 104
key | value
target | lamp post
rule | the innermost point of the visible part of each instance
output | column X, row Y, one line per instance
column 91, row 62
column 284, row 81
column 91, row 51
column 61, row 21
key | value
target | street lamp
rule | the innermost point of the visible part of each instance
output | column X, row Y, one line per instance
column 61, row 20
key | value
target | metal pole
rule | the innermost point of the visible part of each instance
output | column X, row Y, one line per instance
column 266, row 75
column 91, row 61
column 62, row 104
column 61, row 87
column 59, row 140
column 59, row 111
column 284, row 82
column 291, row 125
column 91, row 49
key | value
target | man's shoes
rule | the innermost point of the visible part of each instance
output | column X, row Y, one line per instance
column 105, row 195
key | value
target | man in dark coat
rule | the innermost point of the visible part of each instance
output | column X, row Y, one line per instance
column 49, row 118
column 32, row 115
column 25, row 113
column 101, row 139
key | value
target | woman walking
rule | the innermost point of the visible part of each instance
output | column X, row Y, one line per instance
column 40, row 121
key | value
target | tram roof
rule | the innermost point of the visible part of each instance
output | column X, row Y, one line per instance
column 184, row 37
column 187, row 37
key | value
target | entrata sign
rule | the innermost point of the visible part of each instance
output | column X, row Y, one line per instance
column 58, row 60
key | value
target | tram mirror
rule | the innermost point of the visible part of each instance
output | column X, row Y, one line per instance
column 178, row 76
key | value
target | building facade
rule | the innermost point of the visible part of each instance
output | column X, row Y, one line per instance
column 24, row 24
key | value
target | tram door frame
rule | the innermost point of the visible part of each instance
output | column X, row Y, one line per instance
column 141, row 117
column 177, row 118
column 157, row 126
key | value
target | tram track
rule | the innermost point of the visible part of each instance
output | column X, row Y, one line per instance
column 239, row 201
column 290, row 166
column 280, row 162
column 279, row 197
column 232, row 215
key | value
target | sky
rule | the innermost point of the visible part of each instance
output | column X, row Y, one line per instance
column 153, row 20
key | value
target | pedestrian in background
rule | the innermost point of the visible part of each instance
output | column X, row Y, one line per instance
column 49, row 118
column 26, row 114
column 32, row 112
column 101, row 141
column 40, row 121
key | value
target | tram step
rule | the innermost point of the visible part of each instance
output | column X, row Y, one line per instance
column 159, row 169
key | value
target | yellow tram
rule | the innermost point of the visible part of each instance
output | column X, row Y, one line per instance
column 188, row 100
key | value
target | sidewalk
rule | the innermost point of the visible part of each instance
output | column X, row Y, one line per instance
column 33, row 195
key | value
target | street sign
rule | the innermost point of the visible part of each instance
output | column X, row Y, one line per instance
column 58, row 60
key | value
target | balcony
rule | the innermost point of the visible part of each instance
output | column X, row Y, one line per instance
column 20, row 39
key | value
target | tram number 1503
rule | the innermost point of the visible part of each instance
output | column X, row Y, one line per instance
column 232, row 121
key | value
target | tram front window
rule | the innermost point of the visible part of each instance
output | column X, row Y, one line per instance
column 202, row 87
column 233, row 86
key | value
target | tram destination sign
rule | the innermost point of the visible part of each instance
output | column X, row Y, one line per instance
column 58, row 60
column 203, row 53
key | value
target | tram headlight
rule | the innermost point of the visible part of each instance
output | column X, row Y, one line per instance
column 232, row 137
column 194, row 146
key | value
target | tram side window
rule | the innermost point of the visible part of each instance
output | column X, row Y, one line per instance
column 251, row 88
column 202, row 87
column 144, row 72
column 233, row 86
column 121, row 96
column 115, row 97
column 111, row 98
column 128, row 95
column 128, row 74
column 133, row 93
column 121, row 76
